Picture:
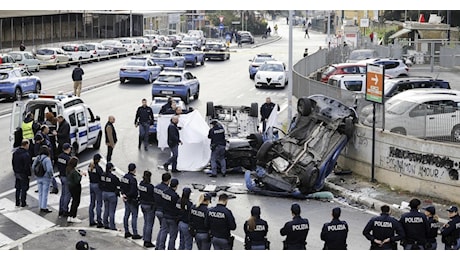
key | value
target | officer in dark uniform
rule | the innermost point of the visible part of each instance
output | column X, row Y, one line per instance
column 110, row 186
column 160, row 204
column 256, row 230
column 384, row 231
column 144, row 119
column 198, row 223
column 147, row 202
column 217, row 136
column 221, row 221
column 130, row 195
column 170, row 216
column 95, row 172
column 266, row 110
column 433, row 221
column 334, row 233
column 450, row 232
column 416, row 227
column 62, row 161
column 296, row 230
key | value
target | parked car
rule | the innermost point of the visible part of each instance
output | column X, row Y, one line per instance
column 398, row 85
column 271, row 74
column 342, row 68
column 145, row 44
column 26, row 59
column 297, row 164
column 16, row 82
column 131, row 45
column 116, row 48
column 392, row 67
column 176, row 82
column 350, row 82
column 156, row 105
column 258, row 60
column 431, row 115
column 155, row 40
column 168, row 57
column 246, row 37
column 97, row 51
column 7, row 60
column 140, row 68
column 216, row 50
column 192, row 54
column 53, row 57
column 78, row 52
column 362, row 54
column 199, row 34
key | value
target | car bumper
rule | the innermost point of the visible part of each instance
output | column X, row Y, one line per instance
column 164, row 92
column 6, row 92
column 272, row 84
column 216, row 55
column 135, row 75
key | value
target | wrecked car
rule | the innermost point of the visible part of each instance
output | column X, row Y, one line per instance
column 298, row 163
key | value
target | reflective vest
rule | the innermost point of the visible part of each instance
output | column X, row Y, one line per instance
column 27, row 132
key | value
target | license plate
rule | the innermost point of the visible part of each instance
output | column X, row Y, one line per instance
column 167, row 92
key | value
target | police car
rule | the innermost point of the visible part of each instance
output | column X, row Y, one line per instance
column 168, row 57
column 85, row 126
column 192, row 54
column 16, row 82
column 140, row 68
column 257, row 61
column 176, row 82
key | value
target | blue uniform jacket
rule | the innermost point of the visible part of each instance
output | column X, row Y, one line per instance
column 221, row 221
column 334, row 234
column 129, row 187
column 296, row 231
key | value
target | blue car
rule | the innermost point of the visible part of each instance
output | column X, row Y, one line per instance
column 176, row 82
column 168, row 57
column 16, row 82
column 257, row 61
column 140, row 68
column 297, row 164
column 192, row 54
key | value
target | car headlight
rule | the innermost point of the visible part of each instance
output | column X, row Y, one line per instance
column 257, row 76
column 280, row 77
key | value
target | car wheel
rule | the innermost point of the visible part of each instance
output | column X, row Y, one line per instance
column 258, row 140
column 194, row 63
column 254, row 110
column 197, row 94
column 456, row 133
column 304, row 106
column 399, row 130
column 263, row 151
column 122, row 80
column 38, row 87
column 150, row 80
column 210, row 109
column 97, row 144
column 17, row 94
column 202, row 62
column 187, row 98
column 37, row 69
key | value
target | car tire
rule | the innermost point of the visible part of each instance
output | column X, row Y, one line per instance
column 97, row 144
column 38, row 88
column 254, row 110
column 210, row 109
column 202, row 62
column 194, row 63
column 455, row 134
column 304, row 106
column 261, row 155
column 122, row 80
column 259, row 140
column 197, row 94
column 187, row 98
column 37, row 69
column 150, row 80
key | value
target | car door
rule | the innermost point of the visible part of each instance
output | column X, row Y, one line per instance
column 443, row 119
column 17, row 113
column 180, row 60
column 93, row 126
column 82, row 128
column 191, row 82
column 27, row 82
column 30, row 60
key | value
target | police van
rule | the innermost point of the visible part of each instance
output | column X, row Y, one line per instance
column 85, row 127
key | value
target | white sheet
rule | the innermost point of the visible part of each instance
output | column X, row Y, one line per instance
column 194, row 153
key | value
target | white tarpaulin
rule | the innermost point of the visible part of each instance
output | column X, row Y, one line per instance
column 194, row 153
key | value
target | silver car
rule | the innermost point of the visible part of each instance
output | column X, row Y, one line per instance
column 26, row 59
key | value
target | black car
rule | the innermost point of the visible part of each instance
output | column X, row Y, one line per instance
column 297, row 164
column 246, row 37
column 216, row 50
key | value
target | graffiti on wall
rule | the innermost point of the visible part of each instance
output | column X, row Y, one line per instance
column 427, row 166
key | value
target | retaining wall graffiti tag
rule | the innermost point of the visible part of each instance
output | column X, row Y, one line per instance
column 421, row 165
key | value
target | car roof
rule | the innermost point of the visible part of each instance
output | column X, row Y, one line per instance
column 174, row 71
column 372, row 60
column 414, row 79
column 343, row 65
column 432, row 97
column 425, row 91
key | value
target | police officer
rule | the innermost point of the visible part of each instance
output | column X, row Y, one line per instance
column 173, row 144
column 217, row 136
column 160, row 204
column 296, row 230
column 110, row 186
column 221, row 221
column 450, row 232
column 334, row 233
column 130, row 195
column 143, row 119
column 416, row 227
column 95, row 173
column 170, row 216
column 433, row 221
column 147, row 202
column 255, row 230
column 62, row 161
column 185, row 206
column 384, row 231
column 198, row 222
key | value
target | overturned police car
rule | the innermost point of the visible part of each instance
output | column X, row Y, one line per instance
column 297, row 164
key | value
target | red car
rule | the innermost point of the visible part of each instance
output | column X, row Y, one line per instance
column 342, row 68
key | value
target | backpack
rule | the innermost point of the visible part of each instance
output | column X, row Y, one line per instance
column 39, row 169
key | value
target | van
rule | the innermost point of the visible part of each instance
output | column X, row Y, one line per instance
column 351, row 82
column 85, row 127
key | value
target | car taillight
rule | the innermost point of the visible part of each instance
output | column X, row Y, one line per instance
column 53, row 57
column 407, row 69
column 94, row 52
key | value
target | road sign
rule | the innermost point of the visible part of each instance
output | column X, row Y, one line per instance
column 374, row 83
column 221, row 18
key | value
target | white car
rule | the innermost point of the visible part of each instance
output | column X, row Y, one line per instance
column 26, row 59
column 271, row 74
column 431, row 115
column 131, row 45
column 393, row 67
column 53, row 57
column 145, row 43
column 98, row 51
column 78, row 52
